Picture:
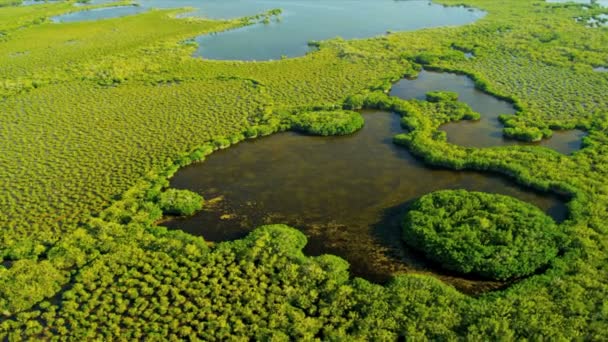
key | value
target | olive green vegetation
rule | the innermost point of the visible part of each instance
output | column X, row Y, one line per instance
column 490, row 235
column 95, row 120
column 325, row 123
column 180, row 202
column 8, row 3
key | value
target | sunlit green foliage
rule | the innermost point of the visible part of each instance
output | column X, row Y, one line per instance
column 95, row 120
column 490, row 235
column 178, row 289
column 339, row 122
column 180, row 202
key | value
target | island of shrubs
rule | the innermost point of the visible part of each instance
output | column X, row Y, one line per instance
column 325, row 123
column 489, row 235
column 180, row 202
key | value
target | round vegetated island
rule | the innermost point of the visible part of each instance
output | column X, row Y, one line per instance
column 490, row 235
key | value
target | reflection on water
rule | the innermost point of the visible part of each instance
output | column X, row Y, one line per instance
column 486, row 132
column 347, row 194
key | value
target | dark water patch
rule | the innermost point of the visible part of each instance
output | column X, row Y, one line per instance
column 347, row 194
column 601, row 69
column 98, row 13
column 486, row 132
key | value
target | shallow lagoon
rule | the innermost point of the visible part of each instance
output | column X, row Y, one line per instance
column 300, row 22
column 349, row 194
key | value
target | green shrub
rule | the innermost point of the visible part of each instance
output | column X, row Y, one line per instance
column 180, row 202
column 524, row 133
column 354, row 102
column 340, row 122
column 441, row 96
column 490, row 235
column 426, row 59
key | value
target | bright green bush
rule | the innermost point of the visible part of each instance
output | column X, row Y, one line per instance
column 491, row 235
column 340, row 122
column 441, row 96
column 524, row 133
column 180, row 202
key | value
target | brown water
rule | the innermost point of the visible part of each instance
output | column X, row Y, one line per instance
column 486, row 132
column 347, row 194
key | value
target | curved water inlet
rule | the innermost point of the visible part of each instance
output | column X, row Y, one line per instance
column 486, row 132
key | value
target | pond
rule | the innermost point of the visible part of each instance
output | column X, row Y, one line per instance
column 486, row 132
column 347, row 194
column 300, row 22
column 98, row 13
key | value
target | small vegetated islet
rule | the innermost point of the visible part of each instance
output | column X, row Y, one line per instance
column 325, row 123
column 180, row 202
column 490, row 235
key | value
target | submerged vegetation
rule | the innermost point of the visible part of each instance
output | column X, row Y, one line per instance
column 490, row 235
column 99, row 116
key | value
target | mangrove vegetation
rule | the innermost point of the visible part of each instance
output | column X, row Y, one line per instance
column 324, row 123
column 96, row 116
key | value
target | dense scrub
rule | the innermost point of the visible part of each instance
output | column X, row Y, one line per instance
column 490, row 235
column 171, row 286
column 324, row 123
column 95, row 121
column 7, row 3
